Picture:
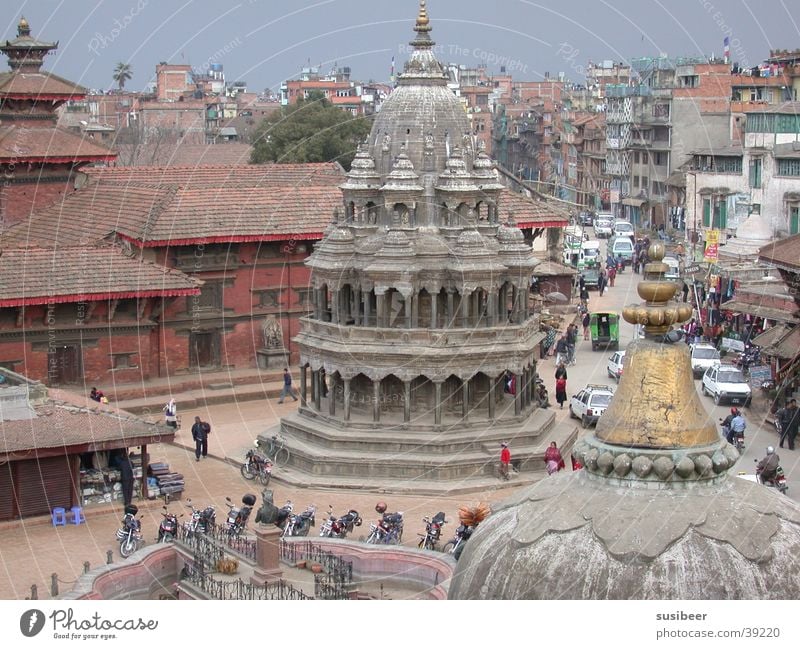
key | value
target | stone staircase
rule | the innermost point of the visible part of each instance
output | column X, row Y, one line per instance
column 453, row 460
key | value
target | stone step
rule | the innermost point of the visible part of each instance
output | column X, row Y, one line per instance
column 152, row 406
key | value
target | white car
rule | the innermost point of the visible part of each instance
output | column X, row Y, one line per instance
column 726, row 383
column 703, row 356
column 590, row 403
column 602, row 226
column 614, row 366
column 624, row 229
column 674, row 271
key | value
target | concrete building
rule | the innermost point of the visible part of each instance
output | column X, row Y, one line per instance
column 173, row 81
column 336, row 87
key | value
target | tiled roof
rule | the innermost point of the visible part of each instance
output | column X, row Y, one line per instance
column 67, row 419
column 38, row 84
column 784, row 253
column 529, row 213
column 22, row 143
column 161, row 206
column 83, row 273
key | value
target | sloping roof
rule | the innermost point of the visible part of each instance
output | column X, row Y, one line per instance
column 553, row 269
column 40, row 84
column 677, row 179
column 787, row 150
column 27, row 144
column 529, row 213
column 784, row 253
column 78, row 274
column 181, row 154
column 732, row 150
column 771, row 313
column 787, row 346
column 160, row 206
column 67, row 420
column 771, row 335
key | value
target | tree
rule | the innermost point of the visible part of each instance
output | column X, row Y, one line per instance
column 122, row 73
column 312, row 130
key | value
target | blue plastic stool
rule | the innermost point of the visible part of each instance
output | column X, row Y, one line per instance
column 77, row 515
column 59, row 516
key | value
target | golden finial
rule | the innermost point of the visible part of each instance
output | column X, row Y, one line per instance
column 23, row 28
column 423, row 21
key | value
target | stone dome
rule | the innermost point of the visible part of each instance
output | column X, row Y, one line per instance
column 421, row 111
column 657, row 512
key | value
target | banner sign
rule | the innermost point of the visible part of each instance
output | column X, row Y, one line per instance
column 732, row 344
column 759, row 374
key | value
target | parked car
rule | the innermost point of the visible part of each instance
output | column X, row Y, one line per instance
column 590, row 403
column 726, row 383
column 614, row 366
column 585, row 218
column 602, row 225
column 624, row 229
column 703, row 355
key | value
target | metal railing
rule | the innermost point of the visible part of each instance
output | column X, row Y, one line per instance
column 195, row 574
column 337, row 576
column 216, row 539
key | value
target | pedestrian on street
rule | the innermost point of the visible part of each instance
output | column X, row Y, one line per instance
column 505, row 460
column 553, row 459
column 171, row 414
column 584, row 298
column 587, row 320
column 561, row 372
column 685, row 291
column 601, row 282
column 581, row 283
column 200, row 432
column 790, row 422
column 126, row 478
column 562, row 350
column 287, row 386
column 612, row 275
column 561, row 392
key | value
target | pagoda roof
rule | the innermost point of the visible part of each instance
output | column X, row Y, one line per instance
column 46, row 143
column 38, row 85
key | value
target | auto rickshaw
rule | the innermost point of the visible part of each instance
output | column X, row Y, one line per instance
column 605, row 329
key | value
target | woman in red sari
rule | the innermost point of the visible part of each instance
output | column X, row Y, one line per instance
column 553, row 459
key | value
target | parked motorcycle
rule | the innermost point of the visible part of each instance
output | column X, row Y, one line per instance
column 168, row 529
column 339, row 528
column 433, row 531
column 256, row 466
column 388, row 530
column 456, row 545
column 201, row 521
column 283, row 514
column 238, row 516
column 130, row 534
column 751, row 356
column 300, row 524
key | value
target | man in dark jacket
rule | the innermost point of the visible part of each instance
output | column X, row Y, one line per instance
column 790, row 422
column 200, row 431
column 126, row 478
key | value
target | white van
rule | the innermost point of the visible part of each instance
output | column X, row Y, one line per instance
column 590, row 254
column 674, row 272
column 622, row 247
column 603, row 225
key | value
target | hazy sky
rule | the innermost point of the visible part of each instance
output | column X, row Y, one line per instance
column 265, row 42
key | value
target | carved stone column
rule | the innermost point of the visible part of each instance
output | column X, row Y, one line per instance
column 318, row 393
column 408, row 306
column 464, row 398
column 380, row 311
column 367, row 295
column 336, row 302
column 492, row 395
column 437, row 403
column 464, row 304
column 407, row 401
column 376, row 400
column 435, row 311
column 303, row 386
column 332, row 397
column 313, row 387
column 518, row 395
column 451, row 317
column 347, row 399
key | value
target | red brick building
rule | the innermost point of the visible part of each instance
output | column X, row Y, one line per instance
column 245, row 231
column 38, row 160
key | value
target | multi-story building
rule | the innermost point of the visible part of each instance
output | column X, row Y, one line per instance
column 606, row 73
column 336, row 87
column 173, row 81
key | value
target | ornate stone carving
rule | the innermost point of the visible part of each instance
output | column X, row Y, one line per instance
column 272, row 333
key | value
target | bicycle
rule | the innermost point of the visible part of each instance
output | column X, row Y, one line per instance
column 277, row 451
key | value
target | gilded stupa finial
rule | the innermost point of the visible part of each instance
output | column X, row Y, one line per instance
column 423, row 22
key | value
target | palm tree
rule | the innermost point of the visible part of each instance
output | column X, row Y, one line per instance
column 122, row 73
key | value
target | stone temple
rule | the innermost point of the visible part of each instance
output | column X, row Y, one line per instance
column 421, row 315
column 658, row 512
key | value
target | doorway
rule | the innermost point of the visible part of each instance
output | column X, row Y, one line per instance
column 204, row 349
column 64, row 364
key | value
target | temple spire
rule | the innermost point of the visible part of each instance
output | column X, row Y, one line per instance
column 423, row 28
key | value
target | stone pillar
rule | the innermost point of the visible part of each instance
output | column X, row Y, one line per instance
column 408, row 306
column 407, row 401
column 437, row 404
column 491, row 309
column 380, row 315
column 376, row 400
column 313, row 387
column 491, row 396
column 267, row 569
column 450, row 308
column 335, row 304
column 332, row 396
column 518, row 395
column 414, row 310
column 435, row 311
column 358, row 297
column 367, row 306
column 464, row 305
column 464, row 398
column 347, row 399
column 318, row 392
column 303, row 386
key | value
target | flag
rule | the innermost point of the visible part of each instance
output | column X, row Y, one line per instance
column 391, row 76
column 727, row 48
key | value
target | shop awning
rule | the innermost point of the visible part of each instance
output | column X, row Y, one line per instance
column 634, row 202
column 759, row 311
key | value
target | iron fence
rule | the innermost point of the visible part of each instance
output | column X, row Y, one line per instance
column 216, row 540
column 194, row 573
column 337, row 577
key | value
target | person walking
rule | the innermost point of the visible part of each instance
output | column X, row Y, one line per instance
column 587, row 320
column 584, row 298
column 612, row 275
column 171, row 414
column 601, row 282
column 790, row 422
column 126, row 478
column 561, row 391
column 562, row 350
column 572, row 339
column 287, row 386
column 685, row 291
column 505, row 460
column 200, row 431
column 561, row 372
column 553, row 459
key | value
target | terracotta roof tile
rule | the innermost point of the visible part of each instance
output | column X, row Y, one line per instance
column 529, row 213
column 21, row 142
column 38, row 83
column 184, row 154
column 77, row 274
column 784, row 253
